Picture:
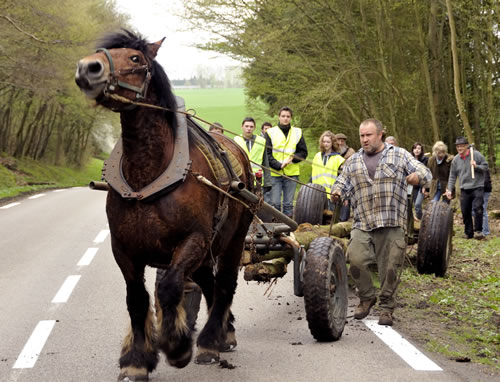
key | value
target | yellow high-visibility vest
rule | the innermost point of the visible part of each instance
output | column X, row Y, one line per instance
column 326, row 175
column 283, row 147
column 257, row 151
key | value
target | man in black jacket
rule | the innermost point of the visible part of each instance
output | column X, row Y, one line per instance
column 285, row 147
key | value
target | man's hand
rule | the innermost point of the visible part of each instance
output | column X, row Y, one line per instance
column 473, row 163
column 448, row 194
column 287, row 161
column 335, row 197
column 413, row 179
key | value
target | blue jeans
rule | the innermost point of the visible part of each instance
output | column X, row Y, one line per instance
column 268, row 194
column 486, row 226
column 345, row 211
column 282, row 185
column 418, row 198
column 437, row 195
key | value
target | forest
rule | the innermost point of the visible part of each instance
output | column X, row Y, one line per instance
column 428, row 69
column 43, row 115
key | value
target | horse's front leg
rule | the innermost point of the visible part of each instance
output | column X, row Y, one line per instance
column 218, row 333
column 139, row 355
column 175, row 332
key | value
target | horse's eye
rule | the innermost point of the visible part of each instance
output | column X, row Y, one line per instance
column 135, row 59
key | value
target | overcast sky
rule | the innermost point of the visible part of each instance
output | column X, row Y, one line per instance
column 156, row 19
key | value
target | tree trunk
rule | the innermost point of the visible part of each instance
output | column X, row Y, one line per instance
column 387, row 82
column 456, row 74
column 492, row 113
column 19, row 141
column 434, row 39
column 427, row 76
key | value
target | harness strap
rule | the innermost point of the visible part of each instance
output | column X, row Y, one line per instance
column 173, row 175
column 140, row 93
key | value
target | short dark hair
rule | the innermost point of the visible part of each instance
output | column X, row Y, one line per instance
column 266, row 124
column 286, row 108
column 215, row 125
column 248, row 119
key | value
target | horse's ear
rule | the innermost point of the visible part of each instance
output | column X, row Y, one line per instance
column 153, row 47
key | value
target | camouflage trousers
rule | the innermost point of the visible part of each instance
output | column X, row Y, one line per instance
column 384, row 247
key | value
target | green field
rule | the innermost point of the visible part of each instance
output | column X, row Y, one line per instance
column 226, row 106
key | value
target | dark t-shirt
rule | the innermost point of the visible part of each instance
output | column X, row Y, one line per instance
column 371, row 162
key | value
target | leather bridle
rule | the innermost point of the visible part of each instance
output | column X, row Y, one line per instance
column 114, row 82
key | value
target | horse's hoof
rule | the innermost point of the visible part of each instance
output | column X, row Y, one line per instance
column 226, row 348
column 230, row 343
column 206, row 357
column 182, row 361
column 123, row 377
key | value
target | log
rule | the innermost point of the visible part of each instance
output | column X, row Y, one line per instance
column 265, row 272
column 247, row 258
column 342, row 229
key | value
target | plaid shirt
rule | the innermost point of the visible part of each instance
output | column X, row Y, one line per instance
column 382, row 201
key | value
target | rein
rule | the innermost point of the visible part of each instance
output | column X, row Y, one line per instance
column 193, row 115
column 140, row 93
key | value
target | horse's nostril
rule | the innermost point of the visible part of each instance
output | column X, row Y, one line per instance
column 95, row 67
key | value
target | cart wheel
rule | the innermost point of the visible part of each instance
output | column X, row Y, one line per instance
column 434, row 239
column 325, row 289
column 310, row 204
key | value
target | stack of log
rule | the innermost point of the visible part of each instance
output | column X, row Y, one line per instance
column 274, row 264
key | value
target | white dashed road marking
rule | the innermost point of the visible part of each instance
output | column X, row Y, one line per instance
column 88, row 256
column 66, row 289
column 34, row 346
column 36, row 196
column 101, row 236
column 409, row 353
column 9, row 205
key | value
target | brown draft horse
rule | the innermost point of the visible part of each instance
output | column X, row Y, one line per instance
column 174, row 231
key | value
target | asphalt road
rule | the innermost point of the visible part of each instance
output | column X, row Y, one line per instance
column 63, row 313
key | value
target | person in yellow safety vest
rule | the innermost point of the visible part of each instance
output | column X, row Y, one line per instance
column 253, row 145
column 326, row 163
column 285, row 147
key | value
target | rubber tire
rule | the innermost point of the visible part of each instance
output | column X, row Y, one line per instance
column 435, row 239
column 310, row 204
column 324, row 267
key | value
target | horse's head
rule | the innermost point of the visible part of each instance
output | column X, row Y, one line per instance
column 123, row 65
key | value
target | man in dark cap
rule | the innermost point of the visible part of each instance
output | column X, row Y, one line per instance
column 345, row 150
column 470, row 166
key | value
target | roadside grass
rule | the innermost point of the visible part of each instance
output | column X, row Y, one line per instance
column 26, row 176
column 457, row 315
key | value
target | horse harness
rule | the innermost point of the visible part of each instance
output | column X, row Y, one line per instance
column 221, row 162
column 173, row 175
column 140, row 93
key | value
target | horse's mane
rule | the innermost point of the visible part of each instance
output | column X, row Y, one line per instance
column 159, row 79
